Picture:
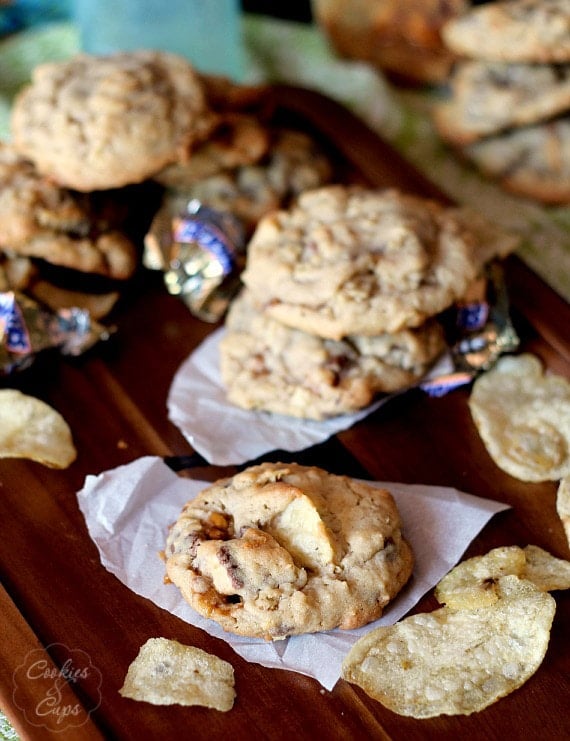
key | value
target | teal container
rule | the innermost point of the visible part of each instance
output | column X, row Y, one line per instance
column 207, row 32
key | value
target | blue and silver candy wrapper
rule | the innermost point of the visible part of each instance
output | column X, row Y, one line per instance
column 26, row 329
column 483, row 332
column 201, row 252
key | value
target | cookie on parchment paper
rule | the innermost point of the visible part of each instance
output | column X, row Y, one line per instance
column 268, row 366
column 102, row 122
column 284, row 549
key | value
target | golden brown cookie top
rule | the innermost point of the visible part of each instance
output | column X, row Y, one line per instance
column 349, row 260
column 512, row 31
column 101, row 122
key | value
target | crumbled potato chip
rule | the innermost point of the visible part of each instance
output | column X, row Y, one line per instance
column 563, row 505
column 30, row 428
column 523, row 417
column 166, row 672
column 545, row 570
column 455, row 662
column 473, row 582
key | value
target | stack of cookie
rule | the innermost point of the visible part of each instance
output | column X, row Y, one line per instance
column 342, row 296
column 42, row 221
column 508, row 106
column 97, row 139
column 84, row 132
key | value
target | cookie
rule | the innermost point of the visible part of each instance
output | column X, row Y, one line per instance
column 347, row 260
column 283, row 549
column 531, row 161
column 512, row 31
column 110, row 254
column 401, row 38
column 268, row 366
column 30, row 203
column 293, row 163
column 43, row 220
column 237, row 140
column 95, row 123
column 489, row 97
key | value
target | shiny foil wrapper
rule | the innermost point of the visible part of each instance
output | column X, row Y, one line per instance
column 482, row 331
column 201, row 252
column 26, row 329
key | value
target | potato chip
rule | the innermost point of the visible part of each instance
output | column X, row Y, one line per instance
column 30, row 428
column 545, row 570
column 166, row 672
column 523, row 417
column 473, row 582
column 455, row 662
column 563, row 505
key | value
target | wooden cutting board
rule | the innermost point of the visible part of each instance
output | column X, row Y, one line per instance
column 57, row 597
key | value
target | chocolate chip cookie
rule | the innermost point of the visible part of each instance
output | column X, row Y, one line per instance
column 489, row 97
column 346, row 260
column 284, row 549
column 532, row 161
column 40, row 219
column 282, row 164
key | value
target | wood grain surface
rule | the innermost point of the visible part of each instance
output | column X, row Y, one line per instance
column 57, row 596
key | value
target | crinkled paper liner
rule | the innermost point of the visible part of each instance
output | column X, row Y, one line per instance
column 128, row 510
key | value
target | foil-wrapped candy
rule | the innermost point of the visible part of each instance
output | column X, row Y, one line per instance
column 483, row 332
column 27, row 328
column 201, row 252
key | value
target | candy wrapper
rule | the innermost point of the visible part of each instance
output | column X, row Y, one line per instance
column 201, row 252
column 26, row 328
column 482, row 332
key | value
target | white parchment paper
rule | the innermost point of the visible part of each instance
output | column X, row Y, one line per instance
column 197, row 405
column 128, row 510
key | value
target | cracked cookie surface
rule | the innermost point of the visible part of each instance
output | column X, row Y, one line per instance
column 346, row 260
